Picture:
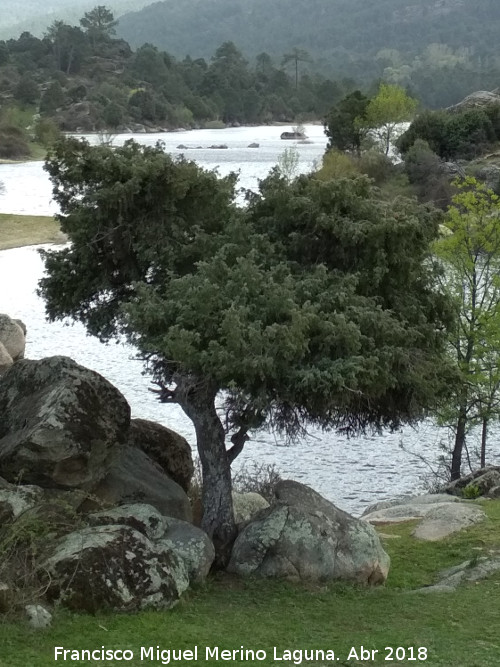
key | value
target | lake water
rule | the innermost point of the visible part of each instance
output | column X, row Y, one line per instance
column 350, row 472
column 28, row 189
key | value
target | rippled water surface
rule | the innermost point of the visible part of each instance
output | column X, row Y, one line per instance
column 352, row 473
column 28, row 189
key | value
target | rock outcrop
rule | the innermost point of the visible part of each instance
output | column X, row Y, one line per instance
column 477, row 100
column 304, row 537
column 113, row 567
column 441, row 514
column 67, row 448
column 130, row 557
column 468, row 571
column 60, row 423
column 133, row 477
column 12, row 341
column 447, row 518
column 16, row 499
column 247, row 505
column 165, row 447
column 295, row 136
column 482, row 482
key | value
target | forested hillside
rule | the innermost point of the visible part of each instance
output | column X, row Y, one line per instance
column 81, row 78
column 441, row 49
column 34, row 16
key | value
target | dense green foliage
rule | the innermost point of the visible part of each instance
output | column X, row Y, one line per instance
column 33, row 15
column 357, row 122
column 470, row 253
column 315, row 303
column 87, row 80
column 345, row 124
column 390, row 107
column 462, row 134
column 440, row 49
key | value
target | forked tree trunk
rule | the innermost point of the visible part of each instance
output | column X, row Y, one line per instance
column 218, row 517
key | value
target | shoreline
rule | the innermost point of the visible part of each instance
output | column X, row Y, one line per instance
column 20, row 231
column 155, row 130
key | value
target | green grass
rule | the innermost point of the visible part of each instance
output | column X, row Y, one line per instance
column 38, row 152
column 459, row 629
column 21, row 230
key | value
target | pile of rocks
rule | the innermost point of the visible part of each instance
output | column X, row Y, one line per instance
column 68, row 448
column 111, row 493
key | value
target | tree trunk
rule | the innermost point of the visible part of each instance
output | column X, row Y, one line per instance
column 456, row 459
column 484, row 436
column 218, row 517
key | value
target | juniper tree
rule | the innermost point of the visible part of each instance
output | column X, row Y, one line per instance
column 312, row 304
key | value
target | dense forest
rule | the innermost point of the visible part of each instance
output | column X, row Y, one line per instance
column 34, row 16
column 440, row 49
column 82, row 78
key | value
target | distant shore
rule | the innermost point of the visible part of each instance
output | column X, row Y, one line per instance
column 17, row 231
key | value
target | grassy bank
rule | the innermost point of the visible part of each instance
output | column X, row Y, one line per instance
column 458, row 629
column 21, row 230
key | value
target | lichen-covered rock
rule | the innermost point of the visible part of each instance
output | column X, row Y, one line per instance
column 192, row 545
column 168, row 449
column 481, row 480
column 304, row 536
column 6, row 360
column 441, row 514
column 489, row 174
column 477, row 100
column 246, row 505
column 139, row 516
column 469, row 570
column 407, row 509
column 446, row 518
column 16, row 499
column 60, row 423
column 12, row 336
column 38, row 617
column 134, row 478
column 421, row 501
column 115, row 568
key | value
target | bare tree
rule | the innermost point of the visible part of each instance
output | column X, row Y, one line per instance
column 296, row 56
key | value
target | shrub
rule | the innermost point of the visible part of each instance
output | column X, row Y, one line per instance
column 13, row 145
column 52, row 99
column 250, row 478
column 376, row 165
column 471, row 491
column 425, row 172
column 26, row 90
column 77, row 93
column 430, row 126
column 46, row 132
column 258, row 478
column 215, row 125
column 113, row 115
column 23, row 549
column 337, row 164
column 451, row 136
